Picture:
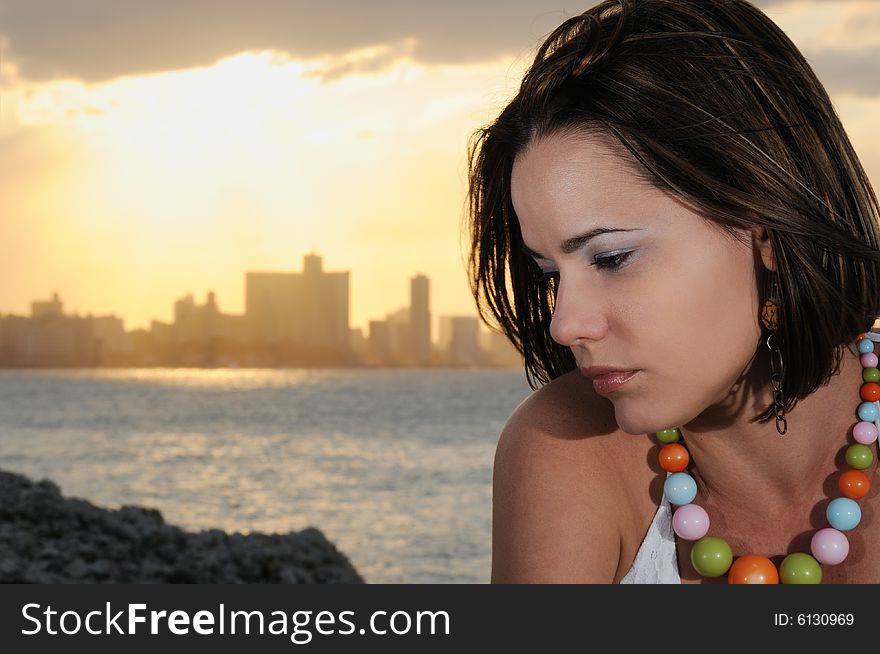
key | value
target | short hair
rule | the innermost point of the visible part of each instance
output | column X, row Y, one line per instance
column 717, row 106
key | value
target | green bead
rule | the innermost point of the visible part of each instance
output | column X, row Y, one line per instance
column 871, row 374
column 671, row 435
column 859, row 456
column 800, row 568
column 711, row 556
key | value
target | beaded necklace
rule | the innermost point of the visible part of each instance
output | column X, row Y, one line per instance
column 712, row 557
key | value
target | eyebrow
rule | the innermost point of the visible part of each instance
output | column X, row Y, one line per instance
column 575, row 243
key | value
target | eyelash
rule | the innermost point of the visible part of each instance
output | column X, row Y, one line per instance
column 617, row 261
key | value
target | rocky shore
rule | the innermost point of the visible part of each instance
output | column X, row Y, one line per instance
column 48, row 538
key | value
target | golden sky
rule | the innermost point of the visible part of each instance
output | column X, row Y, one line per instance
column 128, row 181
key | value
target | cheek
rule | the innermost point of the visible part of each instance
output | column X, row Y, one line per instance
column 691, row 317
column 700, row 321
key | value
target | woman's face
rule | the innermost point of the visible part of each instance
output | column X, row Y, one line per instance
column 681, row 306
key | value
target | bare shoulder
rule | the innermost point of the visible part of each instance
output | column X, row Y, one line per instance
column 558, row 510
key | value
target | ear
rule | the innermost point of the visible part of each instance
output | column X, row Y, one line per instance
column 762, row 244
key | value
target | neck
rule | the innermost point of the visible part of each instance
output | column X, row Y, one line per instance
column 739, row 462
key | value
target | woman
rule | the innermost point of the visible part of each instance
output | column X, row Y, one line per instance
column 671, row 225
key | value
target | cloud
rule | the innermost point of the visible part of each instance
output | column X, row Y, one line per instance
column 845, row 71
column 99, row 40
column 864, row 21
column 360, row 62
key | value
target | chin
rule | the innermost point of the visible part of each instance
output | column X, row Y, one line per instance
column 633, row 425
column 638, row 421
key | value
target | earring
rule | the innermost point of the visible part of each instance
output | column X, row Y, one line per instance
column 770, row 318
column 770, row 314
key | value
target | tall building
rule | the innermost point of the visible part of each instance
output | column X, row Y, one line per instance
column 380, row 342
column 308, row 308
column 400, row 333
column 420, row 319
column 459, row 337
column 358, row 345
column 194, row 323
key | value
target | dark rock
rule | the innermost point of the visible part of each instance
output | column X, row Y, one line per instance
column 47, row 538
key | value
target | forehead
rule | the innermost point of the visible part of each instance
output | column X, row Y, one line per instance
column 589, row 171
column 565, row 185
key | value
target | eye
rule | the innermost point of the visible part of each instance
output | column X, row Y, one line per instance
column 612, row 262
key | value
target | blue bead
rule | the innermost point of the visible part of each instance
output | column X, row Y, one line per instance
column 680, row 488
column 866, row 345
column 868, row 411
column 843, row 513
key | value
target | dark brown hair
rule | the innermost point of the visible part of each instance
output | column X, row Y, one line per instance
column 719, row 107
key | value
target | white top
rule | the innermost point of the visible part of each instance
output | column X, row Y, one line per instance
column 656, row 562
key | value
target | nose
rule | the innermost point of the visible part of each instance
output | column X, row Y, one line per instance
column 577, row 314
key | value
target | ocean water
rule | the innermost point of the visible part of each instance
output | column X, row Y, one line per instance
column 393, row 466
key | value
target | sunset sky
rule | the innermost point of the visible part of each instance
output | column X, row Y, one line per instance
column 154, row 149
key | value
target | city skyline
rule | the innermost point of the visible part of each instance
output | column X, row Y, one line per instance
column 291, row 318
column 209, row 292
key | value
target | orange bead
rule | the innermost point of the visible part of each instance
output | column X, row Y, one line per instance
column 861, row 337
column 870, row 392
column 674, row 457
column 854, row 484
column 753, row 569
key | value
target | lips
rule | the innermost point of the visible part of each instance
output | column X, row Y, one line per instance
column 595, row 371
column 611, row 381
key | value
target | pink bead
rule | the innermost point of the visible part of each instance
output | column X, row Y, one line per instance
column 868, row 360
column 690, row 521
column 865, row 432
column 829, row 546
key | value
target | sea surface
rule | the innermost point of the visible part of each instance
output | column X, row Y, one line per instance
column 393, row 466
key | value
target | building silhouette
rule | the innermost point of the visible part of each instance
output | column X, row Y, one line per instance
column 459, row 338
column 308, row 308
column 379, row 342
column 48, row 337
column 497, row 351
column 400, row 331
column 420, row 320
column 290, row 319
column 203, row 323
column 44, row 308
